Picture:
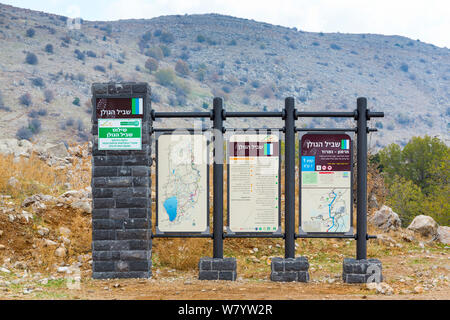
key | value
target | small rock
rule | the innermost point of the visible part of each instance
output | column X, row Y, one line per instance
column 62, row 269
column 13, row 182
column 418, row 289
column 380, row 288
column 65, row 232
column 43, row 231
column 49, row 243
column 2, row 247
column 1, row 233
column 60, row 252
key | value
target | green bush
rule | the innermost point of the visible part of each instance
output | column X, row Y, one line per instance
column 417, row 178
column 165, row 77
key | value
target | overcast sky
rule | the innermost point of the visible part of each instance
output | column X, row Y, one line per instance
column 427, row 20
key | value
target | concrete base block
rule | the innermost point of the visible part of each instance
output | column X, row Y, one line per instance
column 217, row 269
column 362, row 271
column 290, row 269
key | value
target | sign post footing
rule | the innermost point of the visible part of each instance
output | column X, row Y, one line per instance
column 362, row 271
column 290, row 269
column 217, row 269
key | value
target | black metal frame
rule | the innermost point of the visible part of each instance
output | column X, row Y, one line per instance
column 202, row 234
column 303, row 234
column 277, row 233
column 289, row 115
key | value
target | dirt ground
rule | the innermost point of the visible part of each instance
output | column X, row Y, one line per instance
column 419, row 275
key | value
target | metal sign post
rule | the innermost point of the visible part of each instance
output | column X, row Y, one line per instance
column 121, row 189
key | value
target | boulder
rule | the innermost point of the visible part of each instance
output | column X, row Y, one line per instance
column 424, row 225
column 443, row 234
column 386, row 219
column 49, row 150
column 16, row 147
column 82, row 205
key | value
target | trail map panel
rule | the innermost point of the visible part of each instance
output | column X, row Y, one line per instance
column 253, row 182
column 182, row 183
column 325, row 183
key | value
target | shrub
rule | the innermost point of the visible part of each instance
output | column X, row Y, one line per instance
column 80, row 125
column 24, row 133
column 76, row 101
column 70, row 122
column 30, row 33
column 91, row 54
column 335, row 46
column 246, row 100
column 147, row 36
column 165, row 50
column 316, row 44
column 165, row 77
column 80, row 55
column 155, row 97
column 35, row 126
column 33, row 114
column 232, row 43
column 42, row 112
column 157, row 32
column 31, row 58
column 205, row 105
column 38, row 82
column 25, row 99
column 201, row 38
column 49, row 48
column 226, row 89
column 151, row 64
column 184, row 56
column 404, row 67
column 167, row 37
column 255, row 84
column 155, row 52
column 182, row 68
column 100, row 68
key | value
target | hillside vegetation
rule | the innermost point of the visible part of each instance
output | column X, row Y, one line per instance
column 46, row 70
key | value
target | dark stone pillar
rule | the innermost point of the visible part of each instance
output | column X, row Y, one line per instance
column 121, row 215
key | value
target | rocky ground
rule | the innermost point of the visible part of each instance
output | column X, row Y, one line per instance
column 45, row 246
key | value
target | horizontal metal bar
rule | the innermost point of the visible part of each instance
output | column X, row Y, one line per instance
column 374, row 114
column 248, row 235
column 178, row 129
column 306, row 114
column 256, row 114
column 182, row 115
column 325, row 129
column 254, row 129
column 182, row 235
column 318, row 236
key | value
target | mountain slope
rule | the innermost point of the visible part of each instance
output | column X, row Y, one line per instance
column 253, row 65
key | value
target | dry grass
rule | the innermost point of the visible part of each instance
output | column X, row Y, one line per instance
column 180, row 254
column 35, row 176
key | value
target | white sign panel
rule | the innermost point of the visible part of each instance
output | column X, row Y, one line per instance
column 182, row 178
column 253, row 182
